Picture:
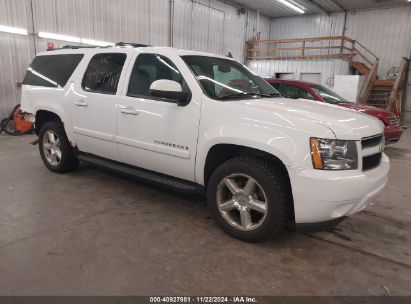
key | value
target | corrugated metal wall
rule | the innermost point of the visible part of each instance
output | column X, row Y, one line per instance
column 307, row 26
column 327, row 68
column 16, row 52
column 206, row 25
column 263, row 28
column 211, row 26
column 385, row 32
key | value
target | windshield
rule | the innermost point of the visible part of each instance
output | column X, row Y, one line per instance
column 328, row 95
column 225, row 79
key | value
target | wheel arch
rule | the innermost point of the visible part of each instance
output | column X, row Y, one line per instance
column 220, row 153
column 42, row 116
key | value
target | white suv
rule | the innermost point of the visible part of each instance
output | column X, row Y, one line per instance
column 200, row 122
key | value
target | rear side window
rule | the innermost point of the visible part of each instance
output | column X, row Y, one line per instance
column 52, row 70
column 103, row 73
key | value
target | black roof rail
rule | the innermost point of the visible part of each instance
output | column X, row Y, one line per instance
column 69, row 46
column 130, row 44
column 118, row 44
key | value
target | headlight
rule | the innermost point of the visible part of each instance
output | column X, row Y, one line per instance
column 332, row 154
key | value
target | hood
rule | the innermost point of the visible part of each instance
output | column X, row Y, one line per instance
column 374, row 111
column 343, row 122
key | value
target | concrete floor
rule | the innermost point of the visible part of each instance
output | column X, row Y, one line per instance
column 94, row 233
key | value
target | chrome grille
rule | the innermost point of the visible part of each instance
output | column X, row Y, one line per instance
column 394, row 121
column 372, row 141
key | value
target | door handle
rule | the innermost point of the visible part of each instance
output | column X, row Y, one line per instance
column 128, row 110
column 81, row 103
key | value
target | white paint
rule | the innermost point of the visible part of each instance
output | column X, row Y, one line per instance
column 327, row 68
column 311, row 77
column 279, row 126
column 166, row 85
column 348, row 86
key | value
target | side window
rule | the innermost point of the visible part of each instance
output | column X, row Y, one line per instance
column 52, row 70
column 275, row 86
column 103, row 73
column 296, row 92
column 149, row 68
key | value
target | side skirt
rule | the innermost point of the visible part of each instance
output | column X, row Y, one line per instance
column 166, row 181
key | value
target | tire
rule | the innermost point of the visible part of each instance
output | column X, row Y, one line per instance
column 266, row 204
column 59, row 156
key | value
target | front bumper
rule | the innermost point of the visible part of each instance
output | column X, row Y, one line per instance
column 321, row 196
column 392, row 134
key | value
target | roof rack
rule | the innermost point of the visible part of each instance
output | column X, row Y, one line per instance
column 130, row 44
column 82, row 47
column 118, row 44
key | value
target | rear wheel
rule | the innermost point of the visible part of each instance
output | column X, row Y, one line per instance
column 55, row 149
column 247, row 198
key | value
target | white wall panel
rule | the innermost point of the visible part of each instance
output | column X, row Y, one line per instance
column 15, row 13
column 144, row 21
column 307, row 26
column 385, row 32
column 327, row 68
column 211, row 26
column 16, row 52
column 15, row 55
column 252, row 28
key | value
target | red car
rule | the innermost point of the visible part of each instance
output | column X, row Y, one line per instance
column 307, row 90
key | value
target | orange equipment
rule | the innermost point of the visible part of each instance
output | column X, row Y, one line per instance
column 19, row 124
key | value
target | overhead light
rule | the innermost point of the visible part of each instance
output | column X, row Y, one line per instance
column 13, row 30
column 293, row 6
column 59, row 37
column 74, row 39
column 96, row 42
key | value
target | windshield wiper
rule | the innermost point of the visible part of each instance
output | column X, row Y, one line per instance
column 244, row 94
column 271, row 95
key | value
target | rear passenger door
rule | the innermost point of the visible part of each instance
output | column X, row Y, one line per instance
column 94, row 104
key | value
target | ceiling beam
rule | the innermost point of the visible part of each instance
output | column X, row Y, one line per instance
column 316, row 5
column 339, row 4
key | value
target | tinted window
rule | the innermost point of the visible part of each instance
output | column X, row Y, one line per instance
column 52, row 70
column 275, row 86
column 225, row 79
column 328, row 95
column 295, row 92
column 149, row 68
column 103, row 73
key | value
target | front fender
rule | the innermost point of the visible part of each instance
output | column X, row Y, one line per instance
column 268, row 148
column 280, row 135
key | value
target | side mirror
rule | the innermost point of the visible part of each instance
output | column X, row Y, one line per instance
column 169, row 89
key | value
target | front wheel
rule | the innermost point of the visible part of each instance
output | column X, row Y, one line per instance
column 55, row 149
column 248, row 197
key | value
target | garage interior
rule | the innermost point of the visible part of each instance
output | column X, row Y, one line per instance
column 92, row 232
